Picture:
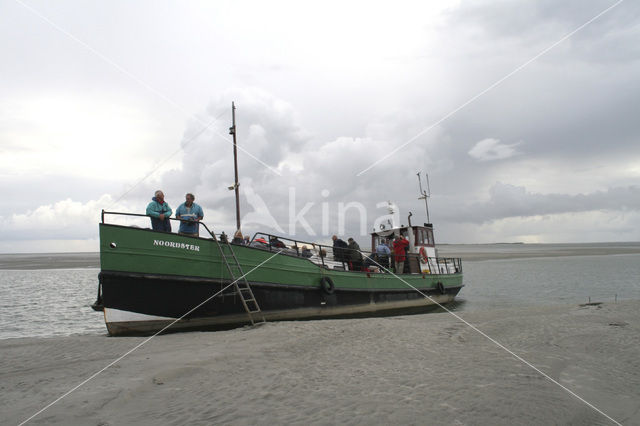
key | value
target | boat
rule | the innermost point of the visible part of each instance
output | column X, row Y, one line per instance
column 149, row 279
column 155, row 282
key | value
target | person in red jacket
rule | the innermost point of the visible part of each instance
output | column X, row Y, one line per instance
column 399, row 250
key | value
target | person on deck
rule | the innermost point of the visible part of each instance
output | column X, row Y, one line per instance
column 276, row 243
column 189, row 214
column 339, row 252
column 160, row 212
column 399, row 250
column 306, row 252
column 237, row 238
column 260, row 243
column 371, row 263
column 354, row 255
column 383, row 251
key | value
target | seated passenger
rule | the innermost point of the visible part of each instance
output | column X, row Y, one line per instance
column 237, row 238
column 306, row 252
column 371, row 260
column 260, row 243
column 371, row 263
column 275, row 242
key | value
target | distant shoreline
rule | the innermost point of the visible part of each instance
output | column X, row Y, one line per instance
column 467, row 252
column 480, row 252
column 30, row 261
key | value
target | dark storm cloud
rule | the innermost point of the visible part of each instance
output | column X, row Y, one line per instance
column 532, row 19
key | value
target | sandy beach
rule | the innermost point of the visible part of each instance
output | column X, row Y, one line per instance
column 423, row 369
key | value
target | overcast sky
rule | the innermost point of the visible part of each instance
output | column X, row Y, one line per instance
column 527, row 134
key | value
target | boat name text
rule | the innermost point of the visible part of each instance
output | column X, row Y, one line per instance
column 173, row 244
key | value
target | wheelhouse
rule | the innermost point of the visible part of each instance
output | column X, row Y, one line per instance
column 418, row 237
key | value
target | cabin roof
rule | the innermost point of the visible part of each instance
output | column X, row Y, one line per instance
column 387, row 231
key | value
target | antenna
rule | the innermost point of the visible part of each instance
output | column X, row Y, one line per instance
column 424, row 195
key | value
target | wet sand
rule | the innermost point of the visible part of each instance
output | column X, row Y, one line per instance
column 423, row 369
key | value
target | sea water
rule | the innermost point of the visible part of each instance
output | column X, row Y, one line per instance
column 49, row 302
column 541, row 281
column 55, row 302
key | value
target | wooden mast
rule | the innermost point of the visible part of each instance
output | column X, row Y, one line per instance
column 232, row 131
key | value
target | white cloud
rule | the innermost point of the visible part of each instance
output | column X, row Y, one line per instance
column 492, row 149
column 64, row 220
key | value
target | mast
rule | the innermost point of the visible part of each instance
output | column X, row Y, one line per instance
column 232, row 131
column 425, row 194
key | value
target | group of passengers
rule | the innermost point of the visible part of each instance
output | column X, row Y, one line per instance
column 189, row 213
column 351, row 255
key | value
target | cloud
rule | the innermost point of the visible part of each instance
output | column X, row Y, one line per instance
column 510, row 201
column 492, row 149
column 323, row 181
column 338, row 102
column 269, row 130
column 65, row 220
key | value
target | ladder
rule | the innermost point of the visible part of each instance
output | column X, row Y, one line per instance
column 240, row 282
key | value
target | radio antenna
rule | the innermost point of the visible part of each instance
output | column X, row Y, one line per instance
column 424, row 195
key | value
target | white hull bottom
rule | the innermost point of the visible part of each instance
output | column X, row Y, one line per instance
column 121, row 322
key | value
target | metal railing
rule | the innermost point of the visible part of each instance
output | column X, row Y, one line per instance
column 324, row 255
column 144, row 215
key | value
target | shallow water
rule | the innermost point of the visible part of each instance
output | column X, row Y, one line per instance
column 49, row 302
column 54, row 302
column 549, row 281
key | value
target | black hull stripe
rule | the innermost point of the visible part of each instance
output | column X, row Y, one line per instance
column 172, row 296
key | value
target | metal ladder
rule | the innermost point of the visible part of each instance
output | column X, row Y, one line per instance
column 240, row 282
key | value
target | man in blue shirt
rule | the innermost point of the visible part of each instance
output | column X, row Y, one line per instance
column 383, row 252
column 189, row 214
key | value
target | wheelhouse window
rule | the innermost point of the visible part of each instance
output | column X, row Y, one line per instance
column 424, row 237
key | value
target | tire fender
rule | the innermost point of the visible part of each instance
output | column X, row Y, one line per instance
column 326, row 284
